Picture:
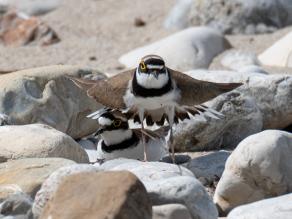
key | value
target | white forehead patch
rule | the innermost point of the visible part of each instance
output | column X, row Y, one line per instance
column 149, row 81
column 149, row 66
column 104, row 121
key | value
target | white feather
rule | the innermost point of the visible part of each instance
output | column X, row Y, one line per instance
column 116, row 136
column 149, row 80
column 104, row 121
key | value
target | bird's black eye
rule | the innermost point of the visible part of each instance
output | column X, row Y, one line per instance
column 117, row 123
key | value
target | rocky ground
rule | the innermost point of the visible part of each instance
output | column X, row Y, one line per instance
column 238, row 166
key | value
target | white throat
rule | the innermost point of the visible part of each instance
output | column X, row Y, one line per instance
column 116, row 136
column 149, row 81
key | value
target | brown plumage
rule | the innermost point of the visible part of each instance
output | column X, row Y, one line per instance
column 110, row 92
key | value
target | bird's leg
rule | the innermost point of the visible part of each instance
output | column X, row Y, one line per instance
column 141, row 117
column 170, row 115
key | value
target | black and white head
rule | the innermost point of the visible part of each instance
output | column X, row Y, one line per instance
column 113, row 127
column 152, row 72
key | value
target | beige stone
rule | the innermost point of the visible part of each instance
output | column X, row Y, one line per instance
column 27, row 175
column 38, row 141
column 104, row 195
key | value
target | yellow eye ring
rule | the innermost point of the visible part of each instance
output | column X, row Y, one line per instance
column 143, row 66
column 117, row 123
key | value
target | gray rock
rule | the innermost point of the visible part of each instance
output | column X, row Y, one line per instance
column 236, row 59
column 263, row 102
column 169, row 183
column 38, row 141
column 30, row 7
column 170, row 211
column 188, row 49
column 4, row 120
column 210, row 166
column 16, row 204
column 184, row 190
column 44, row 95
column 229, row 16
column 242, row 118
column 260, row 167
column 276, row 208
column 53, row 181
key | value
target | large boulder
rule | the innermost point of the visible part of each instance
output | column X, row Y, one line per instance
column 188, row 49
column 260, row 167
column 28, row 174
column 276, row 208
column 45, row 95
column 104, row 195
column 279, row 54
column 168, row 184
column 38, row 141
column 50, row 185
column 232, row 16
column 263, row 102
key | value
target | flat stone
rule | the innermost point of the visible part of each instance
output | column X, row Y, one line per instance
column 28, row 174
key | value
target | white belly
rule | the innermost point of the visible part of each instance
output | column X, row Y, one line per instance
column 156, row 149
column 151, row 103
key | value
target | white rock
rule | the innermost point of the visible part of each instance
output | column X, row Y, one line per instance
column 252, row 69
column 53, row 181
column 177, row 18
column 209, row 166
column 147, row 171
column 236, row 59
column 168, row 183
column 260, row 167
column 37, row 140
column 279, row 54
column 276, row 208
column 188, row 49
column 171, row 211
column 44, row 95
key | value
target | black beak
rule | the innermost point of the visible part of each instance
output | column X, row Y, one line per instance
column 99, row 131
column 155, row 73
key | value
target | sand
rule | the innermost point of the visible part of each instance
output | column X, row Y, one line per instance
column 96, row 33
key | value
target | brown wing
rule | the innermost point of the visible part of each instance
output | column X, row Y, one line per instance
column 195, row 92
column 108, row 92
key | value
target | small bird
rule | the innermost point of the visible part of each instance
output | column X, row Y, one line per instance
column 118, row 140
column 156, row 93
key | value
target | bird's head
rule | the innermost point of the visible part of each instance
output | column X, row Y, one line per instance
column 152, row 72
column 112, row 120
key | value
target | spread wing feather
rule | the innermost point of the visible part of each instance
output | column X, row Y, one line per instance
column 108, row 92
column 196, row 92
